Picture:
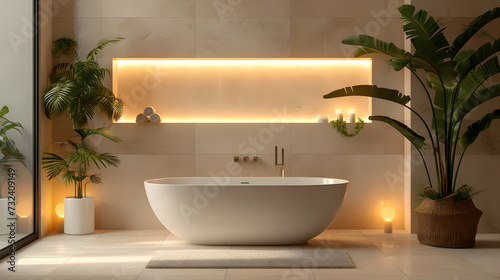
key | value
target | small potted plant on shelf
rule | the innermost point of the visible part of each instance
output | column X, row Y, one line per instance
column 73, row 168
column 10, row 154
column 454, row 85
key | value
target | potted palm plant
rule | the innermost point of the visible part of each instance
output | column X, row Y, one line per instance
column 74, row 168
column 454, row 85
column 76, row 86
column 9, row 155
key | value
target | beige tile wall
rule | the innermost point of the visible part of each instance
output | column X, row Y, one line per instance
column 373, row 161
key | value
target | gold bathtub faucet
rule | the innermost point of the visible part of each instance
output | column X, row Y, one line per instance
column 280, row 167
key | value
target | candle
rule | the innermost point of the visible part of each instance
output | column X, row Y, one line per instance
column 388, row 227
column 23, row 224
column 339, row 115
column 352, row 117
column 322, row 118
column 388, row 214
column 60, row 224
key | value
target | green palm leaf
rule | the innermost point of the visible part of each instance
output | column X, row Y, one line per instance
column 370, row 91
column 92, row 55
column 105, row 159
column 424, row 33
column 106, row 132
column 68, row 177
column 62, row 69
column 74, row 167
column 441, row 132
column 430, row 52
column 475, row 100
column 58, row 96
column 476, row 25
column 417, row 140
column 90, row 73
column 470, row 59
column 54, row 165
column 4, row 111
column 473, row 131
column 111, row 106
column 8, row 125
column 475, row 79
column 369, row 45
column 78, row 89
column 95, row 179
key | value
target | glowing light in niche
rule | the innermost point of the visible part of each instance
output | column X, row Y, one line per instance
column 244, row 62
column 357, row 67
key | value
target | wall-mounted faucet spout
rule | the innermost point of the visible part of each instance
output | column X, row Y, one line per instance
column 280, row 167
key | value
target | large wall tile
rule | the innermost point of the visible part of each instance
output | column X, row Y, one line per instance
column 224, row 166
column 342, row 8
column 455, row 8
column 312, row 139
column 242, row 8
column 488, row 142
column 322, row 37
column 322, row 139
column 149, row 37
column 152, row 139
column 124, row 200
column 86, row 31
column 76, row 8
column 148, row 8
column 367, row 186
column 242, row 37
column 242, row 139
column 481, row 173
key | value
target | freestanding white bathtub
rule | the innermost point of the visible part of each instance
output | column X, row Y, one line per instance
column 246, row 211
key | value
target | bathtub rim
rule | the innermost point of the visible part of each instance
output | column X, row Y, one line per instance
column 295, row 181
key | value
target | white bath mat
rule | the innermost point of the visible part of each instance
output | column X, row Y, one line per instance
column 248, row 258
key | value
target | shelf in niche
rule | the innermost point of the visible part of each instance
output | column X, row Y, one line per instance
column 259, row 90
column 229, row 122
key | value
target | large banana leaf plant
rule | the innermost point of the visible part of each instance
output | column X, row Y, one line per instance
column 455, row 83
column 9, row 152
column 76, row 86
column 74, row 167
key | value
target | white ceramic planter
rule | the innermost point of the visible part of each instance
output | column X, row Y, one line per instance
column 78, row 215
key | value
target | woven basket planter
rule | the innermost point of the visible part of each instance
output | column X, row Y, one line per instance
column 447, row 223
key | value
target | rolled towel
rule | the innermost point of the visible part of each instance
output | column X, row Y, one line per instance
column 155, row 118
column 149, row 111
column 141, row 118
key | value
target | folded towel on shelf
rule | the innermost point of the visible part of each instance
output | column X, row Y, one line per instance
column 141, row 118
column 149, row 111
column 155, row 118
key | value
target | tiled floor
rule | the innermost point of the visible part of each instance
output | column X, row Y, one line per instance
column 123, row 255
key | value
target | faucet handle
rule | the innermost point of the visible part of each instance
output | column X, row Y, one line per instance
column 236, row 158
column 255, row 158
column 245, row 158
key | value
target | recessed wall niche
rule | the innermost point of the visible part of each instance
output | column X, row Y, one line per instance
column 239, row 90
